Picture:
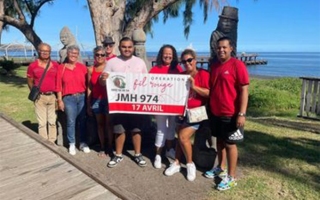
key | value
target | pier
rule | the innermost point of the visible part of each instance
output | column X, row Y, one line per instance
column 202, row 61
column 251, row 59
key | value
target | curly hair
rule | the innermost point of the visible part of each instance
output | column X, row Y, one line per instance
column 175, row 60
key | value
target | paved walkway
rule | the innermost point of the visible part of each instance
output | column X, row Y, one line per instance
column 29, row 170
column 90, row 177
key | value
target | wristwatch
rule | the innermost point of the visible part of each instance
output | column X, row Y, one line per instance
column 241, row 114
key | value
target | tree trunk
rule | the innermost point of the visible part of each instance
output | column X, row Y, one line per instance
column 1, row 14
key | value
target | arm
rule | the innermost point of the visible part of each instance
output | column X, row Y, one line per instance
column 243, row 96
column 89, row 89
column 59, row 87
column 30, row 82
column 199, row 90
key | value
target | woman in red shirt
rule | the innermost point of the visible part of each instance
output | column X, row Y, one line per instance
column 97, row 102
column 167, row 63
column 198, row 94
column 71, row 87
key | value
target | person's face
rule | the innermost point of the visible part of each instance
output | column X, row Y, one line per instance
column 126, row 49
column 100, row 57
column 167, row 56
column 189, row 63
column 73, row 55
column 64, row 38
column 224, row 50
column 44, row 52
column 226, row 25
column 108, row 48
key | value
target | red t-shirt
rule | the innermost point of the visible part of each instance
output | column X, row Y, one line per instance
column 98, row 91
column 112, row 56
column 164, row 69
column 71, row 81
column 49, row 81
column 226, row 81
column 202, row 80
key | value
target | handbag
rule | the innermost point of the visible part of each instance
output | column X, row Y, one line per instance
column 35, row 90
column 197, row 114
column 34, row 93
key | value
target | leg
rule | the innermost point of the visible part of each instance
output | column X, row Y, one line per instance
column 222, row 154
column 136, row 140
column 170, row 136
column 101, row 126
column 81, row 118
column 52, row 118
column 109, row 132
column 184, row 139
column 71, row 115
column 160, row 135
column 41, row 113
column 120, row 139
column 232, row 156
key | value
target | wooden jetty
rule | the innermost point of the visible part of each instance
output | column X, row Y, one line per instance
column 203, row 61
column 29, row 170
column 251, row 59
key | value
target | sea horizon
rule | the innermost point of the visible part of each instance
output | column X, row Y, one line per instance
column 280, row 64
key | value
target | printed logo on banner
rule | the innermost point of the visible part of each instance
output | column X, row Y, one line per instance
column 119, row 81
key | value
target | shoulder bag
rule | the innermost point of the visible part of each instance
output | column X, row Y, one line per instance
column 35, row 90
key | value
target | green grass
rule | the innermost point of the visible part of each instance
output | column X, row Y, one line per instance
column 274, row 162
column 278, row 97
column 13, row 97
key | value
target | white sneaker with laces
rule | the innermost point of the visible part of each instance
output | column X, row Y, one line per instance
column 174, row 168
column 191, row 171
column 157, row 162
column 72, row 149
column 171, row 154
column 84, row 147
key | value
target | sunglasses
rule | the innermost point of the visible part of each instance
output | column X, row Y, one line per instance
column 100, row 55
column 189, row 60
column 108, row 45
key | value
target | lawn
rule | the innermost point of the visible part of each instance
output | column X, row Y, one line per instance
column 274, row 162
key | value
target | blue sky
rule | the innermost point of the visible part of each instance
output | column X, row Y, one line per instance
column 264, row 25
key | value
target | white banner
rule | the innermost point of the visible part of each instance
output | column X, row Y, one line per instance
column 156, row 94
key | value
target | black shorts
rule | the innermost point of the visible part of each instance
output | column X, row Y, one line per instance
column 129, row 122
column 226, row 129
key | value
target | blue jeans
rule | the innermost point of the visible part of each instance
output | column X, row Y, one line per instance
column 74, row 107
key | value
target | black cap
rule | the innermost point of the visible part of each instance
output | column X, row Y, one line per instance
column 108, row 40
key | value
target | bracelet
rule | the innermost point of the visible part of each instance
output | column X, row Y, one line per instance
column 241, row 114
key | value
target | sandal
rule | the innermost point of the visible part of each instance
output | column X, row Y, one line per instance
column 102, row 154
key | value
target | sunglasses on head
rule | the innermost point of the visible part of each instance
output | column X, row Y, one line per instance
column 100, row 55
column 108, row 45
column 189, row 60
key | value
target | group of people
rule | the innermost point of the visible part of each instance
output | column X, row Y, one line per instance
column 80, row 91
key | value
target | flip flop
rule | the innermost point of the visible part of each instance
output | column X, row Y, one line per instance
column 102, row 154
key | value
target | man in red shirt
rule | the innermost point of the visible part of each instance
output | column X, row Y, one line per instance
column 228, row 104
column 45, row 104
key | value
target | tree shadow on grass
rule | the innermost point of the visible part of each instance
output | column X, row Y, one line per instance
column 17, row 81
column 266, row 152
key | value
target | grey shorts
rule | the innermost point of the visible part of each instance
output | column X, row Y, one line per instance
column 127, row 122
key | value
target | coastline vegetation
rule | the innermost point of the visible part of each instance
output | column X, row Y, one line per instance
column 274, row 162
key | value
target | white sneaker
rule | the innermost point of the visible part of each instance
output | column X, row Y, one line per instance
column 171, row 154
column 157, row 162
column 84, row 147
column 72, row 149
column 191, row 171
column 174, row 168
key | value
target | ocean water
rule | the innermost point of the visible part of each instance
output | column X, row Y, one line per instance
column 280, row 64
